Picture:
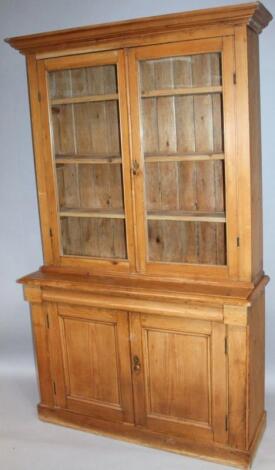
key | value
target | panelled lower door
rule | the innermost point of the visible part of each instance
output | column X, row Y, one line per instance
column 182, row 111
column 179, row 376
column 90, row 361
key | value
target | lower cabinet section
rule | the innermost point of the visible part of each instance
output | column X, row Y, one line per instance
column 190, row 385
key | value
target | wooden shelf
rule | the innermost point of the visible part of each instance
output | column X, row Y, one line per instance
column 187, row 216
column 174, row 157
column 84, row 99
column 182, row 91
column 82, row 159
column 92, row 213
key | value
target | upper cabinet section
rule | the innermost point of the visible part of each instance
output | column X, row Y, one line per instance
column 147, row 145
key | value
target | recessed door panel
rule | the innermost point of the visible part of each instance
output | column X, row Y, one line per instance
column 178, row 382
column 94, row 357
column 182, row 371
column 92, row 374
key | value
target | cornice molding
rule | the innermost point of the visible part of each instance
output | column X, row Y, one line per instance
column 254, row 15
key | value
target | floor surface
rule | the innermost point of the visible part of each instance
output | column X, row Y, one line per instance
column 29, row 444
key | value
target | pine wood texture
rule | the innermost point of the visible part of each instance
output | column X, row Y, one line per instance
column 254, row 15
column 95, row 381
column 148, row 313
column 170, row 394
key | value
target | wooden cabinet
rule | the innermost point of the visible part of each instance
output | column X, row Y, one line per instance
column 148, row 313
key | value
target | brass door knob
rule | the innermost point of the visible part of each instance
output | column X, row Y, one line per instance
column 136, row 364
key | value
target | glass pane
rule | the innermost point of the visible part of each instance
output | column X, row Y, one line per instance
column 83, row 81
column 86, row 129
column 180, row 72
column 182, row 137
column 86, row 146
column 186, row 242
column 93, row 237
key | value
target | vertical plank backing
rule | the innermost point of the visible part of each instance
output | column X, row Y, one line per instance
column 203, row 120
column 167, row 143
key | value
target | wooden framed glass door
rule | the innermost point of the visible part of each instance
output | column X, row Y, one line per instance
column 182, row 115
column 87, row 141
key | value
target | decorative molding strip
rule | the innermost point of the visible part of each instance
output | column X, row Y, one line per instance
column 254, row 15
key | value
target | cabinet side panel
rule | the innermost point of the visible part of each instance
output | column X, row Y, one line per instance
column 237, row 377
column 255, row 153
column 40, row 339
column 256, row 382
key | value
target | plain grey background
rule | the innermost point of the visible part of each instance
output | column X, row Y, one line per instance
column 24, row 441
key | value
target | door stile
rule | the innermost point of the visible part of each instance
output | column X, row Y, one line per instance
column 51, row 185
column 37, row 131
column 126, row 159
column 137, row 162
column 229, row 97
column 219, row 383
column 138, row 374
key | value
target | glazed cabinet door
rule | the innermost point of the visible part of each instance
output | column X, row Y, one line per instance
column 179, row 376
column 90, row 361
column 85, row 153
column 182, row 115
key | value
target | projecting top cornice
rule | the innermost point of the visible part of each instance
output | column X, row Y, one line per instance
column 254, row 15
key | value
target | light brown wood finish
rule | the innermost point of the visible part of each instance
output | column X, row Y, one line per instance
column 175, row 359
column 256, row 366
column 147, row 147
column 253, row 14
column 96, row 380
column 164, row 138
column 106, row 179
column 41, row 344
column 45, row 224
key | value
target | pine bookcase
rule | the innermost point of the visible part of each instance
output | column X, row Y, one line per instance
column 148, row 313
